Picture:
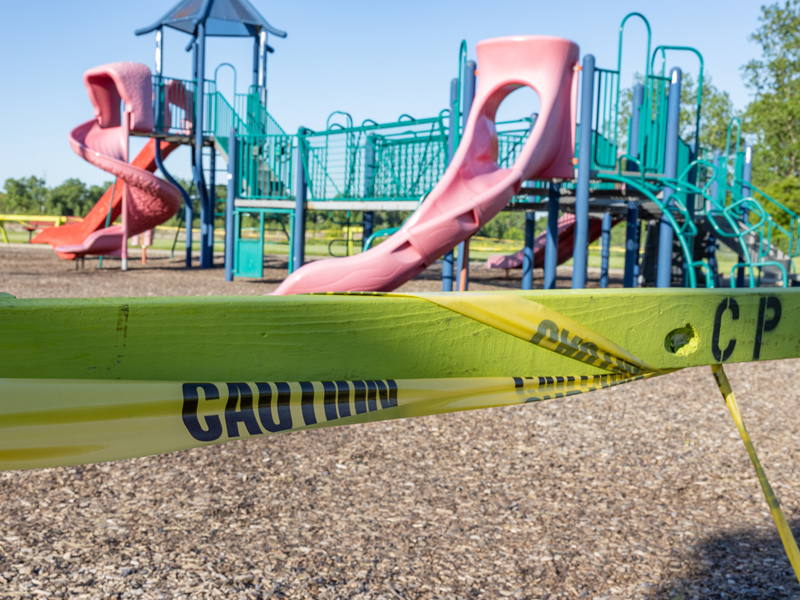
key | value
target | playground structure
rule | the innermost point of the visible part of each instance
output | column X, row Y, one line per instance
column 133, row 377
column 692, row 198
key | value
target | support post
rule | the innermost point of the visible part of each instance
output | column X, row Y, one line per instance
column 747, row 177
column 368, row 217
column 230, row 199
column 463, row 248
column 715, row 184
column 188, row 219
column 605, row 249
column 631, row 245
column 527, row 253
column 747, row 171
column 299, row 229
column 199, row 179
column 636, row 119
column 212, row 203
column 691, row 200
column 263, row 67
column 256, row 59
column 665, row 233
column 632, row 227
column 580, row 254
column 551, row 240
column 126, row 128
column 158, row 110
column 447, row 259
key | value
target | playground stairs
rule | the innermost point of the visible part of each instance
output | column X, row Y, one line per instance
column 759, row 251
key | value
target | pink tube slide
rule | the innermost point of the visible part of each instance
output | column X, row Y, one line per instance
column 474, row 188
column 566, row 245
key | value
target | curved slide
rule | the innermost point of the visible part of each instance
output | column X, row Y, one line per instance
column 474, row 188
column 566, row 245
column 102, row 141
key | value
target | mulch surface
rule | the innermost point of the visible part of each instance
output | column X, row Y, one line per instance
column 641, row 491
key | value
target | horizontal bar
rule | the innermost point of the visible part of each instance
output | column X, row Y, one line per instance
column 410, row 204
column 331, row 337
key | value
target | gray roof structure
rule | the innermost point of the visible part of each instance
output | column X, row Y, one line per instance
column 222, row 18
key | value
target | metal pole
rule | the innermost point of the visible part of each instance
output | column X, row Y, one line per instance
column 580, row 252
column 665, row 233
column 713, row 264
column 263, row 72
column 160, row 51
column 636, row 119
column 715, row 184
column 527, row 253
column 199, row 179
column 631, row 245
column 159, row 88
column 747, row 177
column 256, row 59
column 126, row 128
column 747, row 171
column 229, row 205
column 187, row 204
column 463, row 248
column 299, row 230
column 551, row 240
column 605, row 249
column 368, row 217
column 447, row 259
column 212, row 203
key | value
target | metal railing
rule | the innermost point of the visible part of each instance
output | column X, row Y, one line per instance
column 399, row 160
column 173, row 105
column 265, row 166
column 606, row 114
column 225, row 120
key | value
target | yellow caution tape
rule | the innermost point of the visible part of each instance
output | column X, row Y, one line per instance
column 49, row 422
column 789, row 543
column 55, row 422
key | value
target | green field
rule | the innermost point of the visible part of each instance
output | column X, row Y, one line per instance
column 480, row 248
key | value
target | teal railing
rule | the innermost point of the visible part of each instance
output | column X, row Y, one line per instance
column 173, row 105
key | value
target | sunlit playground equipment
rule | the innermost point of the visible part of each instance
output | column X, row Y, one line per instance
column 691, row 198
column 92, row 380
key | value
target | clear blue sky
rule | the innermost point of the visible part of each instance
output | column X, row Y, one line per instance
column 372, row 59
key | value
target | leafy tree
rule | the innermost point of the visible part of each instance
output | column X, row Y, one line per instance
column 773, row 116
column 73, row 197
column 27, row 195
column 506, row 225
column 715, row 114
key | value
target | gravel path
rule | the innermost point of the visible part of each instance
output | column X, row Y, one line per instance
column 642, row 491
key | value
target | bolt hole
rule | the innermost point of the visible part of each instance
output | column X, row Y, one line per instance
column 682, row 341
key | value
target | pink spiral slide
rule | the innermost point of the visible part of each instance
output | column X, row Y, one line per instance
column 103, row 141
column 474, row 188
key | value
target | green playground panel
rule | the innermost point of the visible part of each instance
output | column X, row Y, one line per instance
column 249, row 253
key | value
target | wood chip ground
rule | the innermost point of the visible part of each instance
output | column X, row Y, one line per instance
column 643, row 491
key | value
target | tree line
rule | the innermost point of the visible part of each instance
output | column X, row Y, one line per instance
column 771, row 121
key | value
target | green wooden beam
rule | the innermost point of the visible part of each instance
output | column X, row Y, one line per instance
column 302, row 338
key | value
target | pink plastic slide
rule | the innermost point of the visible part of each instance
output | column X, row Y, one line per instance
column 474, row 188
column 566, row 245
column 103, row 141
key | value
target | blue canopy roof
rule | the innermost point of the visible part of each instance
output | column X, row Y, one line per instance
column 222, row 18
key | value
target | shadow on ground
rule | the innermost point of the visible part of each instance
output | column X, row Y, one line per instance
column 734, row 565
